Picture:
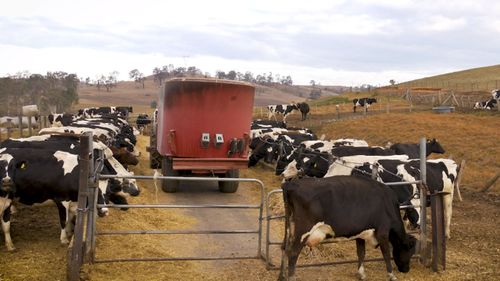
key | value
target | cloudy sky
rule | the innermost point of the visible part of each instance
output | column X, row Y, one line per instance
column 334, row 42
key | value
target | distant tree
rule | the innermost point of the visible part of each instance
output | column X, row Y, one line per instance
column 239, row 76
column 193, row 71
column 392, row 81
column 137, row 76
column 179, row 72
column 287, row 80
column 248, row 77
column 312, row 83
column 53, row 89
column 219, row 74
column 269, row 78
column 260, row 79
column 110, row 81
column 159, row 74
column 231, row 75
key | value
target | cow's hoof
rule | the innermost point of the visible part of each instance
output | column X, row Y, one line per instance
column 11, row 248
column 391, row 277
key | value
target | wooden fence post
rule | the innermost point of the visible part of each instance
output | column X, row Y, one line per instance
column 461, row 169
column 75, row 258
column 20, row 117
column 337, row 108
column 491, row 182
column 9, row 128
column 30, row 130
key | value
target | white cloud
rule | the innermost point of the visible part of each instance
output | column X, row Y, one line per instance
column 441, row 23
column 340, row 41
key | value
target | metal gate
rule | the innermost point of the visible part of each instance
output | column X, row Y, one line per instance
column 84, row 243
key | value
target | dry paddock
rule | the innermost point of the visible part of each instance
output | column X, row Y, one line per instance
column 473, row 250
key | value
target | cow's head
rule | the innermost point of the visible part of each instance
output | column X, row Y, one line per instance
column 308, row 163
column 118, row 190
column 124, row 156
column 285, row 158
column 261, row 148
column 7, row 168
column 403, row 251
column 130, row 187
column 372, row 100
column 434, row 146
column 495, row 94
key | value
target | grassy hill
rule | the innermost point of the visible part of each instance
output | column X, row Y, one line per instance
column 127, row 92
column 470, row 80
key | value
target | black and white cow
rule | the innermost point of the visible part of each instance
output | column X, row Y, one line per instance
column 43, row 170
column 304, row 109
column 283, row 109
column 266, row 124
column 323, row 164
column 270, row 147
column 61, row 119
column 103, row 135
column 121, row 111
column 327, row 146
column 142, row 121
column 272, row 132
column 38, row 175
column 363, row 102
column 124, row 111
column 488, row 105
column 349, row 207
column 413, row 149
column 441, row 176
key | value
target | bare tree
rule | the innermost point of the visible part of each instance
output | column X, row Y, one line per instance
column 137, row 76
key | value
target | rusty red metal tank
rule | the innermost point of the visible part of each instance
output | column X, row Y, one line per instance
column 204, row 124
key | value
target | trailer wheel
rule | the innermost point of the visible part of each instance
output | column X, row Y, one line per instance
column 229, row 186
column 169, row 186
column 155, row 158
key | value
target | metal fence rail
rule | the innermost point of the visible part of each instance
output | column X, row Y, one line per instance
column 257, row 231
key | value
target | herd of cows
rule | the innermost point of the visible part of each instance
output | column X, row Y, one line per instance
column 326, row 182
column 46, row 166
column 286, row 109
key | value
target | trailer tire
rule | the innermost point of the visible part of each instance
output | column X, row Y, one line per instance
column 229, row 186
column 155, row 158
column 169, row 186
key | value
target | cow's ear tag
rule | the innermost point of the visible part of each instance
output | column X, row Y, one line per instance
column 22, row 166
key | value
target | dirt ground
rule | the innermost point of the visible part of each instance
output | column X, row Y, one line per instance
column 473, row 251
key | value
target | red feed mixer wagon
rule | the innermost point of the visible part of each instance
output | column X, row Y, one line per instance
column 202, row 128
